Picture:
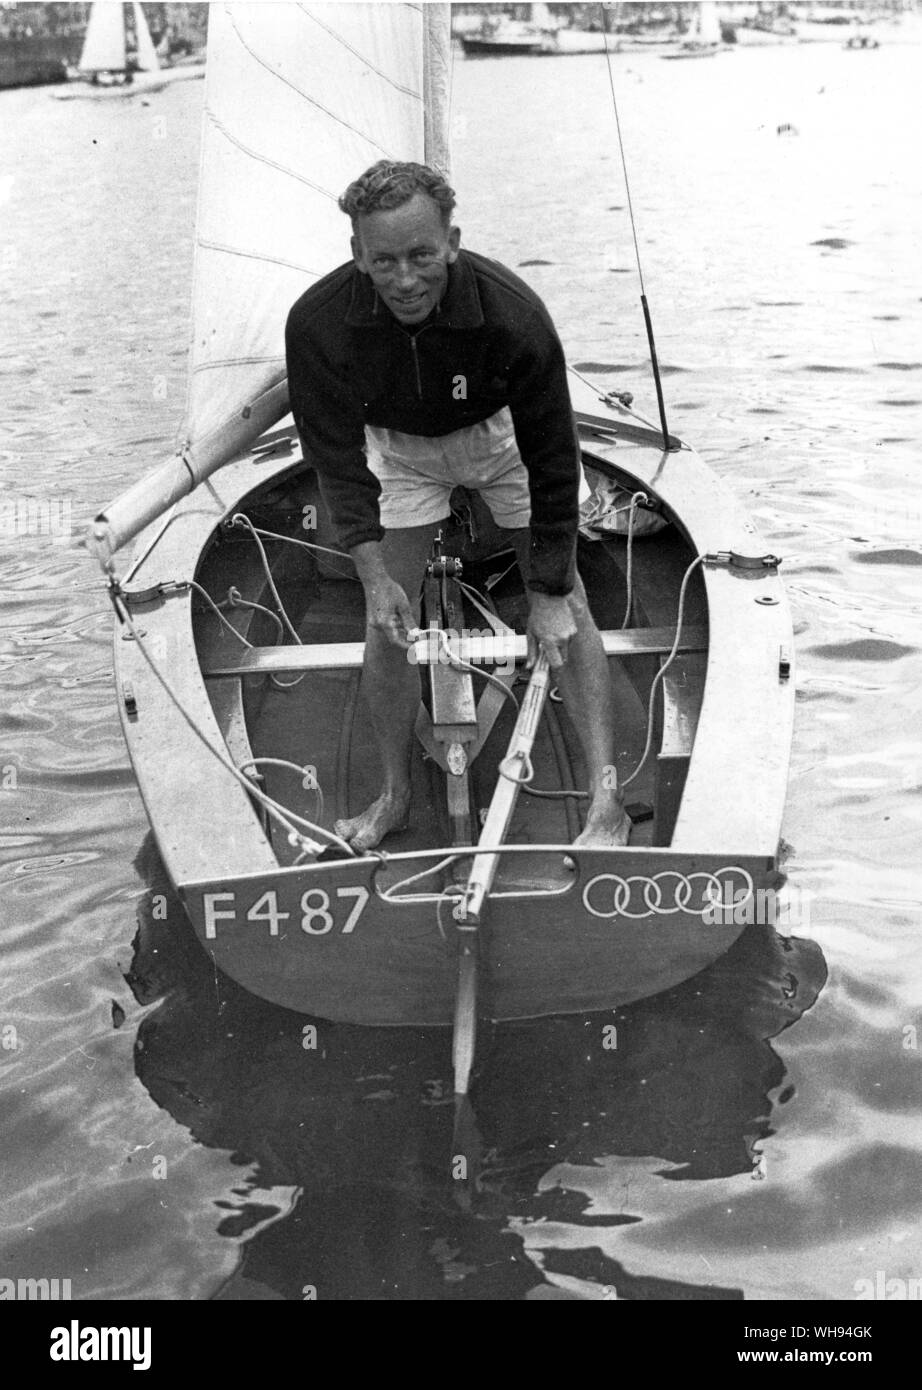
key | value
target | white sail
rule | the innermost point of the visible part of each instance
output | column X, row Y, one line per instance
column 299, row 99
column 104, row 42
column 541, row 17
column 147, row 58
column 708, row 22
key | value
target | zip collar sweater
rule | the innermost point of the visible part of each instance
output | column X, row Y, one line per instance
column 489, row 343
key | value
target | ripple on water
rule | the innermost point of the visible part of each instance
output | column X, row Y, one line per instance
column 828, row 368
column 887, row 557
column 862, row 649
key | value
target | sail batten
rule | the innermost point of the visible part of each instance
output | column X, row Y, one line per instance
column 408, row 91
column 326, row 111
column 226, row 250
column 285, row 169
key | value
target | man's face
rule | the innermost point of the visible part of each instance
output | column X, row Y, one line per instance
column 407, row 252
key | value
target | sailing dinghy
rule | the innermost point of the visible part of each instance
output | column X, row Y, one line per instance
column 238, row 643
column 118, row 60
column 704, row 39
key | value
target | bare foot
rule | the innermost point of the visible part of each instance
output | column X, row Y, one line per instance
column 382, row 817
column 606, row 828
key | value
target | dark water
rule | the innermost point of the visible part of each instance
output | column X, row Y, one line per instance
column 756, row 1132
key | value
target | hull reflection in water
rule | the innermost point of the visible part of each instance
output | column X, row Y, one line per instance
column 359, row 1120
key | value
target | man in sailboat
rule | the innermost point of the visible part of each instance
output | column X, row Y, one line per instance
column 414, row 368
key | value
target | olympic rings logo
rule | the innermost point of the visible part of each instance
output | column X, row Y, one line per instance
column 731, row 885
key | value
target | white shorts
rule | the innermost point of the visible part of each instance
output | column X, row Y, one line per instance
column 417, row 472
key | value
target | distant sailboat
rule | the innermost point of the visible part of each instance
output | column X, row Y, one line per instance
column 119, row 59
column 105, row 48
column 704, row 37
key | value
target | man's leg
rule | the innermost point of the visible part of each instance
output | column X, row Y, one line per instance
column 586, row 689
column 390, row 687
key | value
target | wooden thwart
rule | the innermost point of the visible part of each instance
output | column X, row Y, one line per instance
column 348, row 656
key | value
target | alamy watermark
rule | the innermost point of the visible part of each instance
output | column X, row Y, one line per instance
column 894, row 1290
column 36, row 516
column 723, row 897
column 34, row 1290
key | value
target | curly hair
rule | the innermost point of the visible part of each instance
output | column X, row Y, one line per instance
column 389, row 184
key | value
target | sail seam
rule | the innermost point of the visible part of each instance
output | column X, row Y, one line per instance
column 236, row 362
column 255, row 256
column 264, row 159
column 304, row 96
column 398, row 86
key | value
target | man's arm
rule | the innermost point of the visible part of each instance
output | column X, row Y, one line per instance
column 330, row 417
column 331, row 422
column 545, row 431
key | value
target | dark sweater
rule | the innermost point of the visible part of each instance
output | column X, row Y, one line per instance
column 350, row 363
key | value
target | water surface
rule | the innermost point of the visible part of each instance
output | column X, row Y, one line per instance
column 756, row 1133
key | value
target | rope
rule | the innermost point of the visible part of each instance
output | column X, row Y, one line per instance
column 236, row 600
column 528, row 773
column 594, row 386
column 217, row 612
column 664, row 668
column 292, row 767
column 637, row 498
column 239, row 519
column 466, row 853
column 293, row 540
column 460, row 665
column 288, row 820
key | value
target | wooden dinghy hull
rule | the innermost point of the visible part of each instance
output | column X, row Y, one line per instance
column 320, row 940
column 342, row 939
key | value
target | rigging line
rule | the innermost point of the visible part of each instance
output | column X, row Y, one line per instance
column 283, row 614
column 309, row 545
column 288, row 819
column 607, row 395
column 680, row 617
column 657, row 381
column 627, row 182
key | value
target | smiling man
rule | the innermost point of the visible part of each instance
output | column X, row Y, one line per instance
column 414, row 368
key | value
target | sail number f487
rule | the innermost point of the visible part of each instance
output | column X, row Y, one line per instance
column 319, row 912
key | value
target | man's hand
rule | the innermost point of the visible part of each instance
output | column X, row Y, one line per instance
column 550, row 626
column 388, row 610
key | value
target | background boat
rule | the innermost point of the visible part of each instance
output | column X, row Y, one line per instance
column 118, row 57
column 704, row 36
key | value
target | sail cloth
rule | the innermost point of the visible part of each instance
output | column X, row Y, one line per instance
column 708, row 26
column 147, row 55
column 299, row 100
column 104, row 42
